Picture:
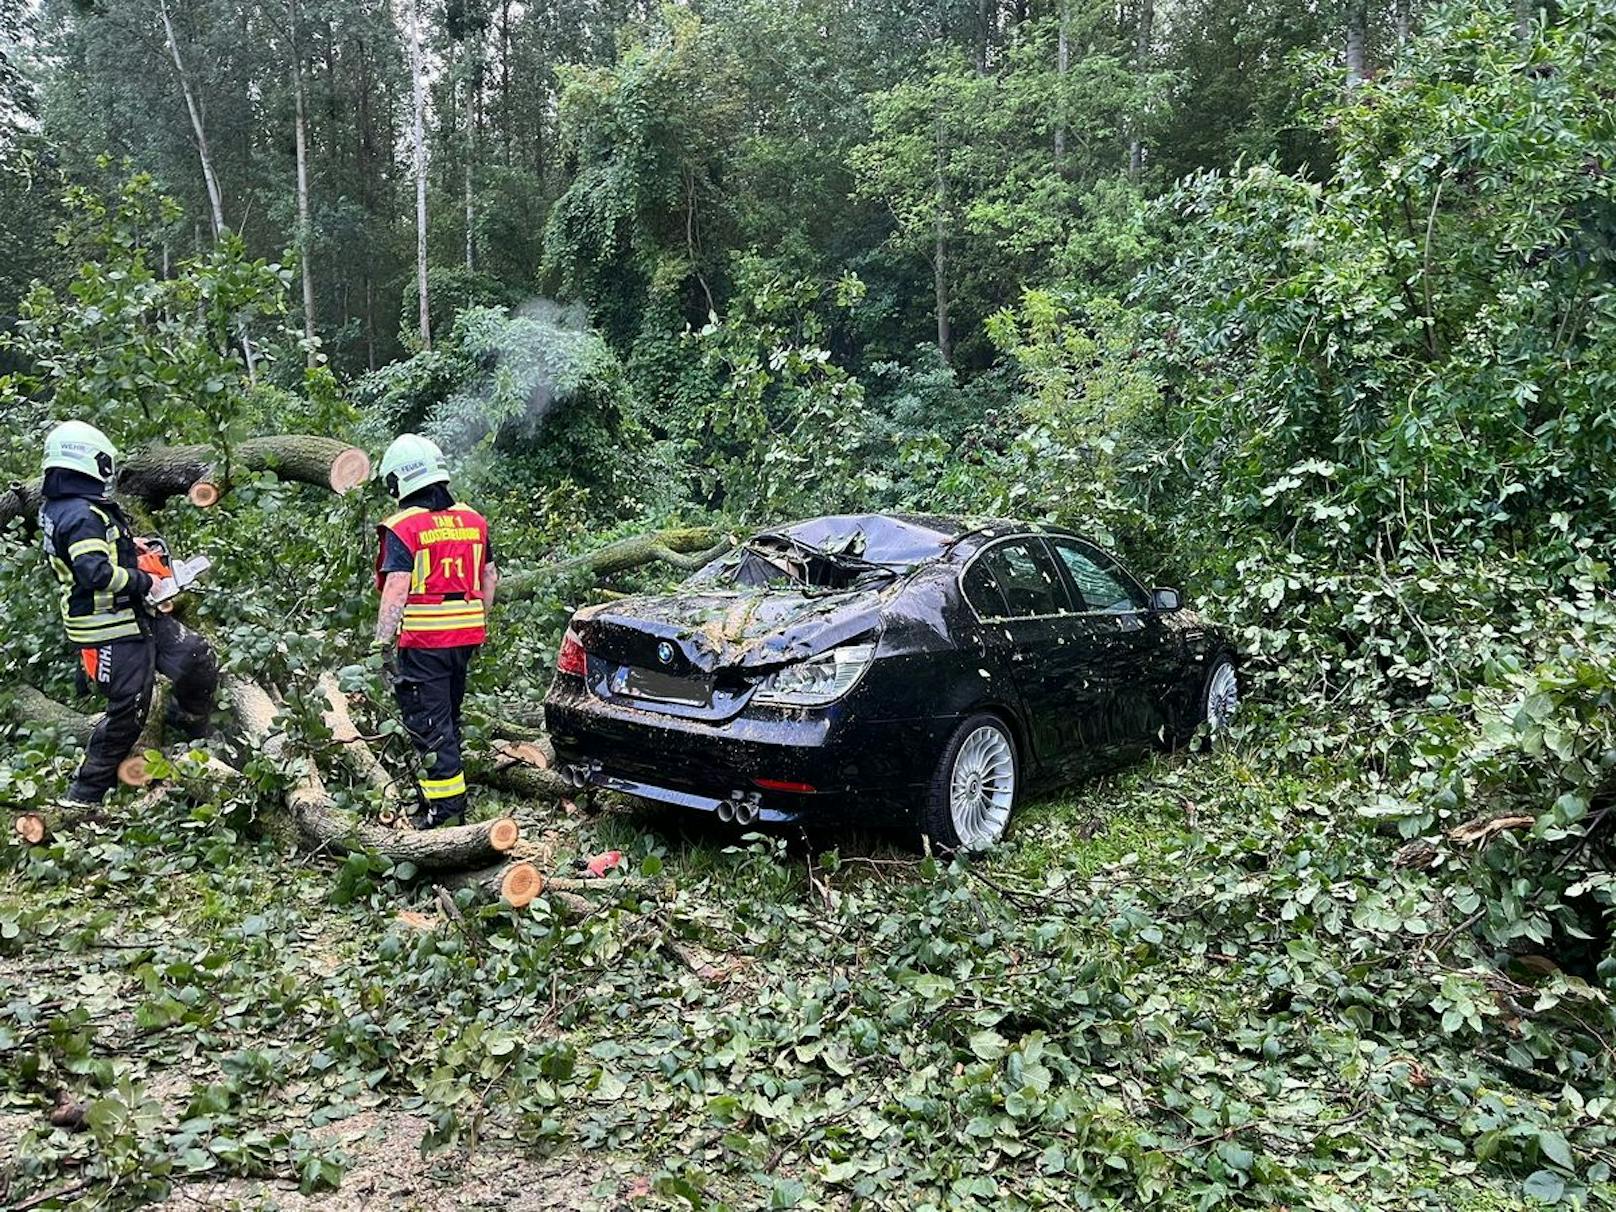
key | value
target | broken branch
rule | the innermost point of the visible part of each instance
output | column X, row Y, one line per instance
column 686, row 548
column 322, row 824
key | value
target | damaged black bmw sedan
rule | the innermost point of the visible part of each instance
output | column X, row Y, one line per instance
column 918, row 671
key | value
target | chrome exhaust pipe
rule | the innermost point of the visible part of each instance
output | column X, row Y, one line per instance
column 726, row 812
column 745, row 813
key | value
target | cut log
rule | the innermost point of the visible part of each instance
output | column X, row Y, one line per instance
column 30, row 828
column 323, row 825
column 520, row 753
column 200, row 474
column 684, row 548
column 503, row 834
column 155, row 476
column 515, row 884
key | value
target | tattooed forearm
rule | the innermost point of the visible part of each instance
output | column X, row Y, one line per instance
column 395, row 592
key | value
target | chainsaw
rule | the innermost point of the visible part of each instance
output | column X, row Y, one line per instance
column 169, row 576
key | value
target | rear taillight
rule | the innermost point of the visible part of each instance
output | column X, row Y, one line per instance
column 571, row 659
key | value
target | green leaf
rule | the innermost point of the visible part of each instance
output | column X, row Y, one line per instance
column 988, row 1045
column 1545, row 1186
column 1555, row 1148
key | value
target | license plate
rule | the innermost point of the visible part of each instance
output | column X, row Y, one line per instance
column 662, row 687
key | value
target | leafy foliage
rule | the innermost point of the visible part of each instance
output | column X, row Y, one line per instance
column 1352, row 390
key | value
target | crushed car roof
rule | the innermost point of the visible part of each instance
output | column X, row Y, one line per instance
column 885, row 538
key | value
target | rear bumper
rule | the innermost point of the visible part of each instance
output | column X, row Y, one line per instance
column 859, row 770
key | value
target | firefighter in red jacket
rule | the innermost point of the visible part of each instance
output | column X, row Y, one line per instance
column 436, row 574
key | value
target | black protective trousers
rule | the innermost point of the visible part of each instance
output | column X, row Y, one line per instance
column 125, row 672
column 431, row 685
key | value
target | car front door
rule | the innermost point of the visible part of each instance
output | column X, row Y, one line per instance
column 1027, row 616
column 1131, row 652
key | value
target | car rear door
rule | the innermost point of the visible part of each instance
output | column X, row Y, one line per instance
column 1131, row 652
column 1026, row 611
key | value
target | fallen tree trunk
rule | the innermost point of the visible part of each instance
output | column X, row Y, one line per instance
column 155, row 476
column 323, row 825
column 199, row 473
column 686, row 548
column 30, row 706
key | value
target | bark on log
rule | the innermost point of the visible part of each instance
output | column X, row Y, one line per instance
column 523, row 779
column 199, row 473
column 322, row 824
column 30, row 706
column 685, row 548
column 153, row 477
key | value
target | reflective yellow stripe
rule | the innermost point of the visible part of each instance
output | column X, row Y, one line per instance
column 89, row 547
column 443, row 616
column 120, row 578
column 422, row 569
column 442, row 789
column 95, row 628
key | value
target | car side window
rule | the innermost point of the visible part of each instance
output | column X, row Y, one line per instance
column 1025, row 579
column 982, row 591
column 1102, row 585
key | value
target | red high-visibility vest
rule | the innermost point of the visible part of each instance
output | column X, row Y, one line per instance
column 445, row 606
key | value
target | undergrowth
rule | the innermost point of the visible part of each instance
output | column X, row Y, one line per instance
column 1199, row 983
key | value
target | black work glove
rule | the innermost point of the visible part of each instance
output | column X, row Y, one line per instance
column 386, row 655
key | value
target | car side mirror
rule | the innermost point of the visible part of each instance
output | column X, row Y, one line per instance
column 1165, row 600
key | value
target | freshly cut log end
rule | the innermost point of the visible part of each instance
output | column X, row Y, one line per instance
column 133, row 771
column 503, row 834
column 521, row 885
column 203, row 494
column 349, row 470
column 30, row 828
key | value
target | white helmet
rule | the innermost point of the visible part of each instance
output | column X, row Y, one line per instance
column 411, row 463
column 77, row 446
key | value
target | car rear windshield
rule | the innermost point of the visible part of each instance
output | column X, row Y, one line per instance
column 841, row 552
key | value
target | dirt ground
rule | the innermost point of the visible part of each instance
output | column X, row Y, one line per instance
column 388, row 1171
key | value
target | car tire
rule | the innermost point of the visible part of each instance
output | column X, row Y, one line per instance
column 1220, row 695
column 974, row 787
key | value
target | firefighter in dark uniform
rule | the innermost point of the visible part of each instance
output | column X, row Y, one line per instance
column 436, row 573
column 123, row 642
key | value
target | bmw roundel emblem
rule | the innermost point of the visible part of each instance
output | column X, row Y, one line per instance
column 664, row 652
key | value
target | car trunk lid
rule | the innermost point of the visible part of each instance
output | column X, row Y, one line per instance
column 701, row 654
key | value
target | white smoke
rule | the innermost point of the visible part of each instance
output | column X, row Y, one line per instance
column 528, row 361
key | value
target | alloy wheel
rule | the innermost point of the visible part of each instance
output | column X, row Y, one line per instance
column 1222, row 697
column 982, row 787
